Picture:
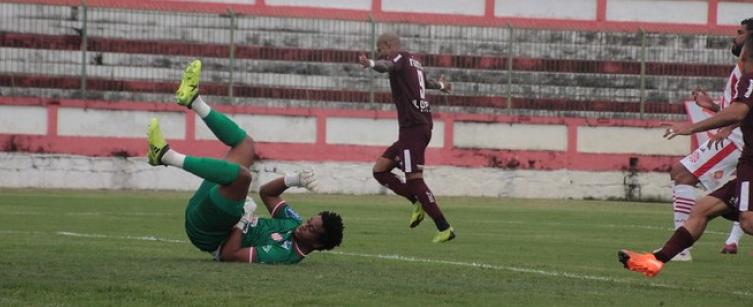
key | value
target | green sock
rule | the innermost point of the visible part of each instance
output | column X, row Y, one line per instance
column 218, row 171
column 224, row 128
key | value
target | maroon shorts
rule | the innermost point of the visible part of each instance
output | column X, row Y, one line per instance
column 408, row 152
column 736, row 193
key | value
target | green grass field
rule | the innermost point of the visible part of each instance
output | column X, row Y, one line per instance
column 98, row 248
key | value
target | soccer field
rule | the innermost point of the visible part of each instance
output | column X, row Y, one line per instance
column 128, row 248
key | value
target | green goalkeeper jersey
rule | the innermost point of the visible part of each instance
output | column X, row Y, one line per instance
column 271, row 240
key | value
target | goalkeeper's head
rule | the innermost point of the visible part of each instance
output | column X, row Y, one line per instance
column 323, row 231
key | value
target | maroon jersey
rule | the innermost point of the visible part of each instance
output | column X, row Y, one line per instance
column 407, row 81
column 745, row 95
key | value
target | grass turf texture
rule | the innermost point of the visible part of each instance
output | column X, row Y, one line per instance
column 129, row 248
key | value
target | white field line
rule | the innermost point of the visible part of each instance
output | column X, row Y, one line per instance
column 616, row 226
column 419, row 260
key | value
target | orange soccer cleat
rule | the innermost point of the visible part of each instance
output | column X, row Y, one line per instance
column 646, row 264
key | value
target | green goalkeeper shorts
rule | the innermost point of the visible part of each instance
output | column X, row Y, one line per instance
column 210, row 217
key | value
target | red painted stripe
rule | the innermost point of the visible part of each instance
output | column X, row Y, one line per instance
column 250, row 109
column 725, row 152
column 38, row 81
column 319, row 152
column 262, row 9
column 99, row 44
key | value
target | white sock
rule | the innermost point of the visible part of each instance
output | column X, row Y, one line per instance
column 173, row 158
column 734, row 234
column 292, row 180
column 200, row 107
column 683, row 200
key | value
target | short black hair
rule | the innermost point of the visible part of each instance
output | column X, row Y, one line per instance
column 748, row 23
column 333, row 230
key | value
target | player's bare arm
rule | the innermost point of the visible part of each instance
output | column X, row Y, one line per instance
column 441, row 84
column 271, row 191
column 703, row 100
column 381, row 66
column 728, row 116
column 232, row 251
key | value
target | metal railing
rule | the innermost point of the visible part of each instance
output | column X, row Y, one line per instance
column 138, row 55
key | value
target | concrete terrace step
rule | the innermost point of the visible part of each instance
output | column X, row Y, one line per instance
column 351, row 35
column 120, row 66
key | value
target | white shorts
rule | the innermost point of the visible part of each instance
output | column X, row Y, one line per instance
column 713, row 167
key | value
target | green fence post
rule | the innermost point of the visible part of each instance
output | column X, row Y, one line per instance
column 510, row 57
column 372, row 55
column 643, row 72
column 233, row 27
column 84, row 43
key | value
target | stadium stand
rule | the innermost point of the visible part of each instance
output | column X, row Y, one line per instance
column 137, row 55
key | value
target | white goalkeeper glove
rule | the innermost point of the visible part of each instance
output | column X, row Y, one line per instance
column 305, row 179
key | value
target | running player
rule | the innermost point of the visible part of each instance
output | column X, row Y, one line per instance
column 409, row 83
column 215, row 214
column 708, row 164
column 732, row 200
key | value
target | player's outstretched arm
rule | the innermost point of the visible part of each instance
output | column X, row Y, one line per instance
column 271, row 191
column 378, row 65
column 728, row 116
column 441, row 84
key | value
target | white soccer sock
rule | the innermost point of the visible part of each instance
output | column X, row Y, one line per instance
column 734, row 234
column 173, row 158
column 292, row 180
column 683, row 200
column 200, row 107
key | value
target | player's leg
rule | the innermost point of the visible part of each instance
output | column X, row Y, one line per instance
column 650, row 264
column 218, row 204
column 735, row 233
column 413, row 147
column 224, row 128
column 683, row 198
column 383, row 174
column 709, row 207
column 709, row 166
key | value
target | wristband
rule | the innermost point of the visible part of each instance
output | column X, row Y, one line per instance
column 441, row 85
column 371, row 63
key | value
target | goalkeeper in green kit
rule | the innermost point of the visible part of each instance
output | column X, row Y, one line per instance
column 220, row 217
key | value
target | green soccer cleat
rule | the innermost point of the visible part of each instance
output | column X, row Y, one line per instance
column 189, row 85
column 444, row 236
column 417, row 215
column 157, row 144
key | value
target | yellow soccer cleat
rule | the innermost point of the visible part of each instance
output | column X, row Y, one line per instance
column 189, row 85
column 444, row 236
column 157, row 144
column 417, row 215
column 646, row 263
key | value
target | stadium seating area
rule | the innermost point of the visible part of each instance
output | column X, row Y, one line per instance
column 138, row 55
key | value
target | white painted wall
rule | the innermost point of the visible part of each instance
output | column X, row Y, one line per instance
column 335, row 4
column 732, row 13
column 669, row 11
column 555, row 9
column 373, row 132
column 65, row 171
column 268, row 128
column 510, row 136
column 648, row 141
column 23, row 119
column 465, row 7
column 118, row 123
